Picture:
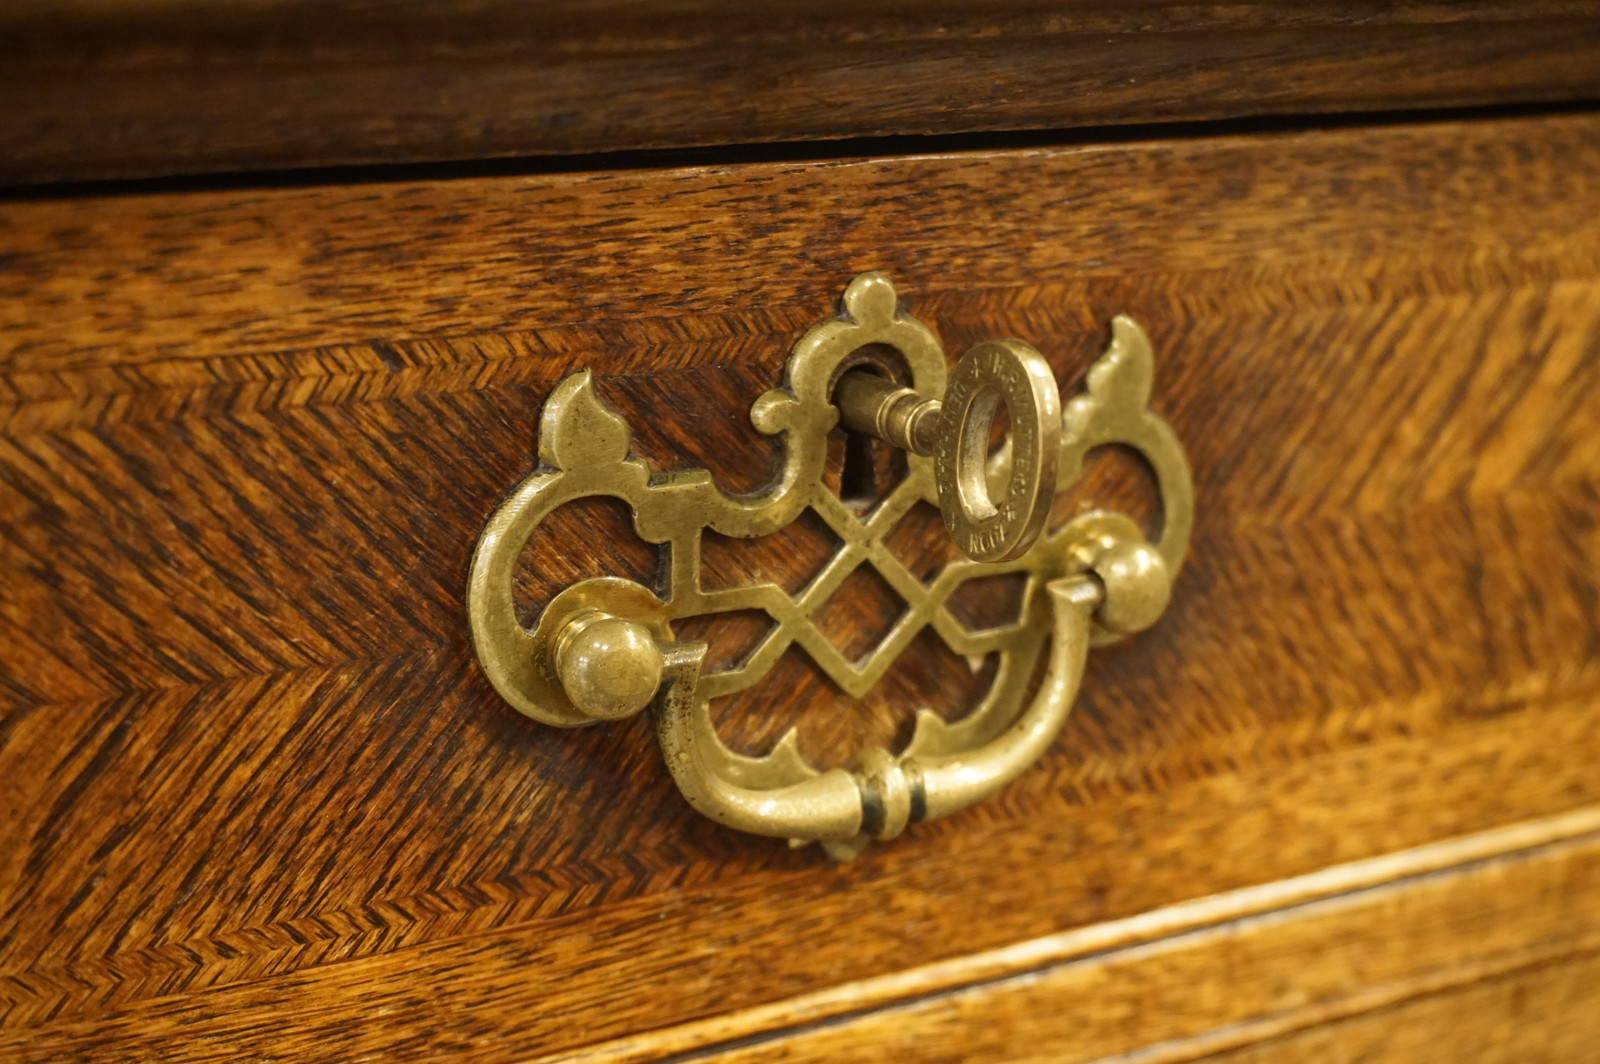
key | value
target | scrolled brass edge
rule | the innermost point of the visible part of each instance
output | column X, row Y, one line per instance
column 584, row 450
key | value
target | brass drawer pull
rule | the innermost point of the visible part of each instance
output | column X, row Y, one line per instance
column 604, row 649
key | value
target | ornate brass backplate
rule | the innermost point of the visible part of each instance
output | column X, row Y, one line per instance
column 604, row 648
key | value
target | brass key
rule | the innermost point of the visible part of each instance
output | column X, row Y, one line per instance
column 955, row 434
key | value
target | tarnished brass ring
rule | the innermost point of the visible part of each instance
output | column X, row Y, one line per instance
column 995, row 372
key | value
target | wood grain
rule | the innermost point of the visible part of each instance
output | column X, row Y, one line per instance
column 1415, row 952
column 101, row 88
column 1541, row 1012
column 261, row 796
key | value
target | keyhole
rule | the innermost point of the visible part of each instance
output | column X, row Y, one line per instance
column 858, row 480
column 871, row 471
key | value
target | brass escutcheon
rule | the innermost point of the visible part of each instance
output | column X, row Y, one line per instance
column 604, row 648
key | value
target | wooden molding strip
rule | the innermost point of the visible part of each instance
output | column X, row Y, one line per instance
column 92, row 89
column 1465, row 872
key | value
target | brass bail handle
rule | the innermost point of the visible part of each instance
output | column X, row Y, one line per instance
column 955, row 433
column 604, row 648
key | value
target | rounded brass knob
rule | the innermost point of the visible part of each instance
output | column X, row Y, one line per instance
column 609, row 667
column 1137, row 586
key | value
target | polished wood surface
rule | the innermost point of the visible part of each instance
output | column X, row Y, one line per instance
column 1478, row 949
column 263, row 803
column 113, row 88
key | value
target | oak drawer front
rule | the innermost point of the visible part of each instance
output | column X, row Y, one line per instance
column 97, row 91
column 263, row 797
